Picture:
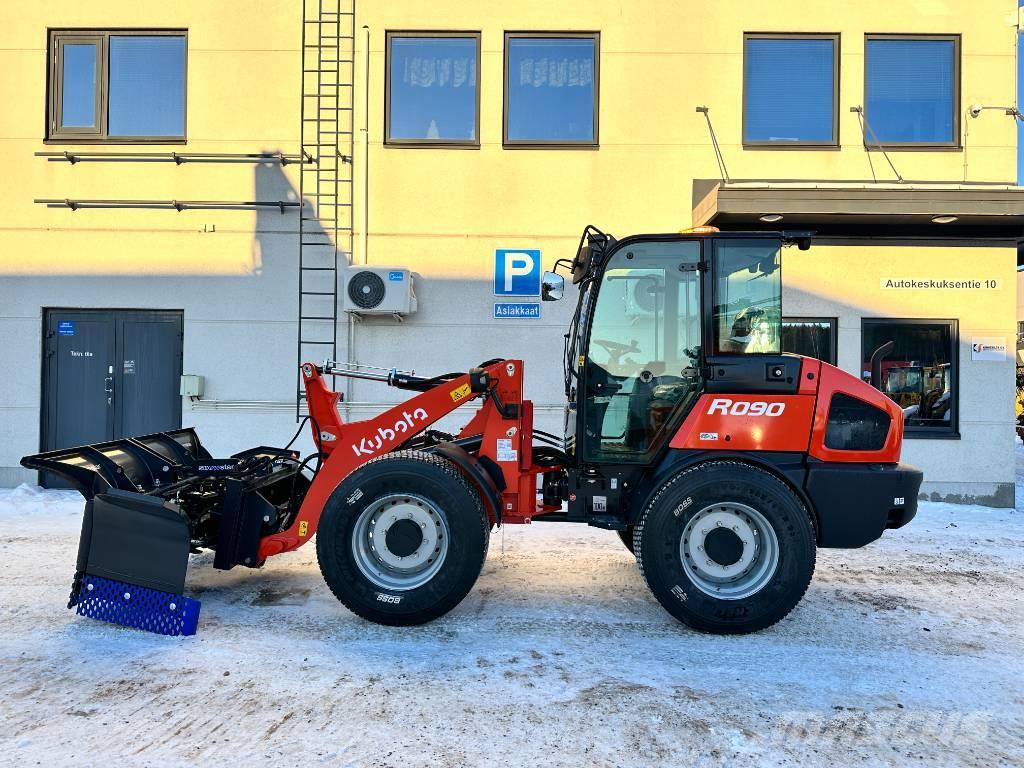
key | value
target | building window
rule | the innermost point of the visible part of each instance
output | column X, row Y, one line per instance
column 551, row 89
column 432, row 89
column 790, row 90
column 117, row 86
column 810, row 336
column 919, row 373
column 912, row 90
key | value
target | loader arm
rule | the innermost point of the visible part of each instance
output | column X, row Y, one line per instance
column 349, row 445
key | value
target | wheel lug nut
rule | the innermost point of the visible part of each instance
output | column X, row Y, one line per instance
column 700, row 549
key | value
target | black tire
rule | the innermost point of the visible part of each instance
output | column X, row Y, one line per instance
column 658, row 538
column 426, row 478
column 626, row 537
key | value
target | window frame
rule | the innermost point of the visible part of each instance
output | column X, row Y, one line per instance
column 389, row 35
column 833, row 329
column 836, row 38
column 952, row 432
column 956, row 143
column 53, row 132
column 508, row 143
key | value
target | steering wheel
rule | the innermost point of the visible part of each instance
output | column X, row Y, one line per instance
column 616, row 348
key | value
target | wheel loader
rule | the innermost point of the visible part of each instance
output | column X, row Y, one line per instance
column 722, row 462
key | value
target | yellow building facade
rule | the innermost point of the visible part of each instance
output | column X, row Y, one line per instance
column 212, row 234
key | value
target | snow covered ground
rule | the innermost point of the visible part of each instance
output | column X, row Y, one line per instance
column 908, row 651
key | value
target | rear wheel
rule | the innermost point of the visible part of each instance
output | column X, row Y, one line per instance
column 403, row 539
column 726, row 547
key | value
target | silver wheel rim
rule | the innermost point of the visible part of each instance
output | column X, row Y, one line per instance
column 756, row 564
column 400, row 571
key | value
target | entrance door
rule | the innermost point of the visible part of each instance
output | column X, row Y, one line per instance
column 109, row 374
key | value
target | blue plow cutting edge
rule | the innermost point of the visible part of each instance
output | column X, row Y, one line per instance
column 133, row 606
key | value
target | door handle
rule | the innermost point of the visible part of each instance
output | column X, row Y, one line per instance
column 108, row 385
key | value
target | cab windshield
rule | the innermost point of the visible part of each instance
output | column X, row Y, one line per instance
column 747, row 317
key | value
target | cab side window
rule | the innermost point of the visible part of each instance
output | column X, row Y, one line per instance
column 748, row 297
column 644, row 343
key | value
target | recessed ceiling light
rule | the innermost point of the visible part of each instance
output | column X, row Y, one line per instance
column 944, row 219
column 771, row 218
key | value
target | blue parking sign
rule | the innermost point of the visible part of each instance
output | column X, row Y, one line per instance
column 517, row 272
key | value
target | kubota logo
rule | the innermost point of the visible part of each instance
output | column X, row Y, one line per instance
column 369, row 446
column 728, row 407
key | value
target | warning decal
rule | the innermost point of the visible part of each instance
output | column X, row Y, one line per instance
column 460, row 393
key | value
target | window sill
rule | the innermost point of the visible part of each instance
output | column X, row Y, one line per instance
column 431, row 145
column 794, row 145
column 929, row 435
column 549, row 145
column 111, row 142
column 920, row 147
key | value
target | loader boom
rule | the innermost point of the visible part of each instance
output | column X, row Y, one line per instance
column 502, row 421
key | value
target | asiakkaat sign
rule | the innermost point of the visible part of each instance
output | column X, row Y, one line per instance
column 368, row 446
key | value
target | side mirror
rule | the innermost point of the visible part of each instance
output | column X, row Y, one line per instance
column 551, row 286
column 581, row 264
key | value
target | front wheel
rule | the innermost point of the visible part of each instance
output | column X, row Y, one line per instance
column 403, row 539
column 726, row 547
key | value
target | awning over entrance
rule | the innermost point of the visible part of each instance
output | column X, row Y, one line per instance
column 864, row 209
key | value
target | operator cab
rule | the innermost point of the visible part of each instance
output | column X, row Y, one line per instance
column 659, row 319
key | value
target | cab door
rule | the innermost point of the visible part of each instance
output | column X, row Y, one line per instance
column 642, row 361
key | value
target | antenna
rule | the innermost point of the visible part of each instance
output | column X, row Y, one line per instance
column 865, row 129
column 724, row 173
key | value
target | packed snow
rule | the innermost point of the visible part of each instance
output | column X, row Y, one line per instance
column 908, row 651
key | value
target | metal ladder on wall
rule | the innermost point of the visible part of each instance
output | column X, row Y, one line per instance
column 326, row 179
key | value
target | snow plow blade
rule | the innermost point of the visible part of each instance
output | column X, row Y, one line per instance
column 150, row 502
column 132, row 558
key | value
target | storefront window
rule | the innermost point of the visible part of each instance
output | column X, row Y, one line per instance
column 919, row 373
column 811, row 337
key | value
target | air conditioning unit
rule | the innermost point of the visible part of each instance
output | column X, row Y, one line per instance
column 644, row 296
column 379, row 291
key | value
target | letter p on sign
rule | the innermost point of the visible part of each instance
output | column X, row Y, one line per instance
column 517, row 272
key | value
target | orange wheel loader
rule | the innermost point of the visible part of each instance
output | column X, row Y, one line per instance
column 721, row 462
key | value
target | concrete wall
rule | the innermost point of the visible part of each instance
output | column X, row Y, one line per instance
column 443, row 212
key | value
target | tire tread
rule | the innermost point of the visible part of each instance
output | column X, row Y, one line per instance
column 638, row 529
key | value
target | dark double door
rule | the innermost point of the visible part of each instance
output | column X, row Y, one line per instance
column 109, row 374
